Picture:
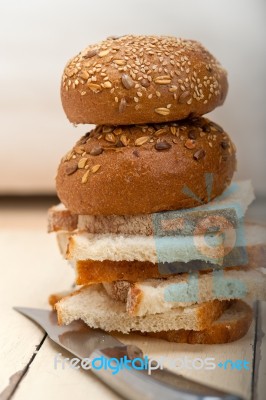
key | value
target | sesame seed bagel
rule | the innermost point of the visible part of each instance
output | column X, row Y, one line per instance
column 142, row 169
column 142, row 79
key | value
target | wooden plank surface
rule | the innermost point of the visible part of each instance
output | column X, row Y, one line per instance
column 28, row 275
column 31, row 269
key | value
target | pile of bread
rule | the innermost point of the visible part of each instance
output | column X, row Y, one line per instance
column 149, row 219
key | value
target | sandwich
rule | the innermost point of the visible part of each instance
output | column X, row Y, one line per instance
column 149, row 219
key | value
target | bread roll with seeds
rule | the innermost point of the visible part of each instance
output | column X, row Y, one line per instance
column 141, row 79
column 142, row 169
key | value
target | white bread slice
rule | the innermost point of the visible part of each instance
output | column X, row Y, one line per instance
column 98, row 310
column 232, row 325
column 237, row 198
column 100, row 247
column 160, row 295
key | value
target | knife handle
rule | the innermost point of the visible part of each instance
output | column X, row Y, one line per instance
column 136, row 384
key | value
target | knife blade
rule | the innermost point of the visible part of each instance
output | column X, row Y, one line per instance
column 132, row 384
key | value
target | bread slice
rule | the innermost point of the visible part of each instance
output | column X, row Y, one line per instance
column 232, row 325
column 161, row 295
column 60, row 218
column 231, row 205
column 98, row 310
column 90, row 271
column 85, row 246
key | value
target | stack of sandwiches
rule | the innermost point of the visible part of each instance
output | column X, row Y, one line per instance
column 149, row 218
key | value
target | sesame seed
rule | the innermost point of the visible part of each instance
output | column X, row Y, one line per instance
column 103, row 53
column 94, row 87
column 173, row 88
column 122, row 105
column 183, row 97
column 120, row 62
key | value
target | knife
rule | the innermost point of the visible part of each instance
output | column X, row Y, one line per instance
column 132, row 384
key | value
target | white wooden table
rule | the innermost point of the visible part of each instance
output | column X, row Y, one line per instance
column 31, row 268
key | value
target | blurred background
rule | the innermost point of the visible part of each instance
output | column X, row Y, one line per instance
column 38, row 37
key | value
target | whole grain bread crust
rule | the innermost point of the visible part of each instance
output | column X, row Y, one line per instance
column 131, row 170
column 141, row 79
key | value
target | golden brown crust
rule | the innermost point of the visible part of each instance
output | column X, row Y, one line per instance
column 134, row 300
column 140, row 79
column 145, row 169
column 211, row 310
column 55, row 297
column 220, row 331
column 92, row 271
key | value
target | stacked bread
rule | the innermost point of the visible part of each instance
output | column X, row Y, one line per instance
column 149, row 218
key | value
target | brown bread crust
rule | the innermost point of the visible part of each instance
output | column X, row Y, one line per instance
column 145, row 169
column 140, row 79
column 223, row 330
column 92, row 271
